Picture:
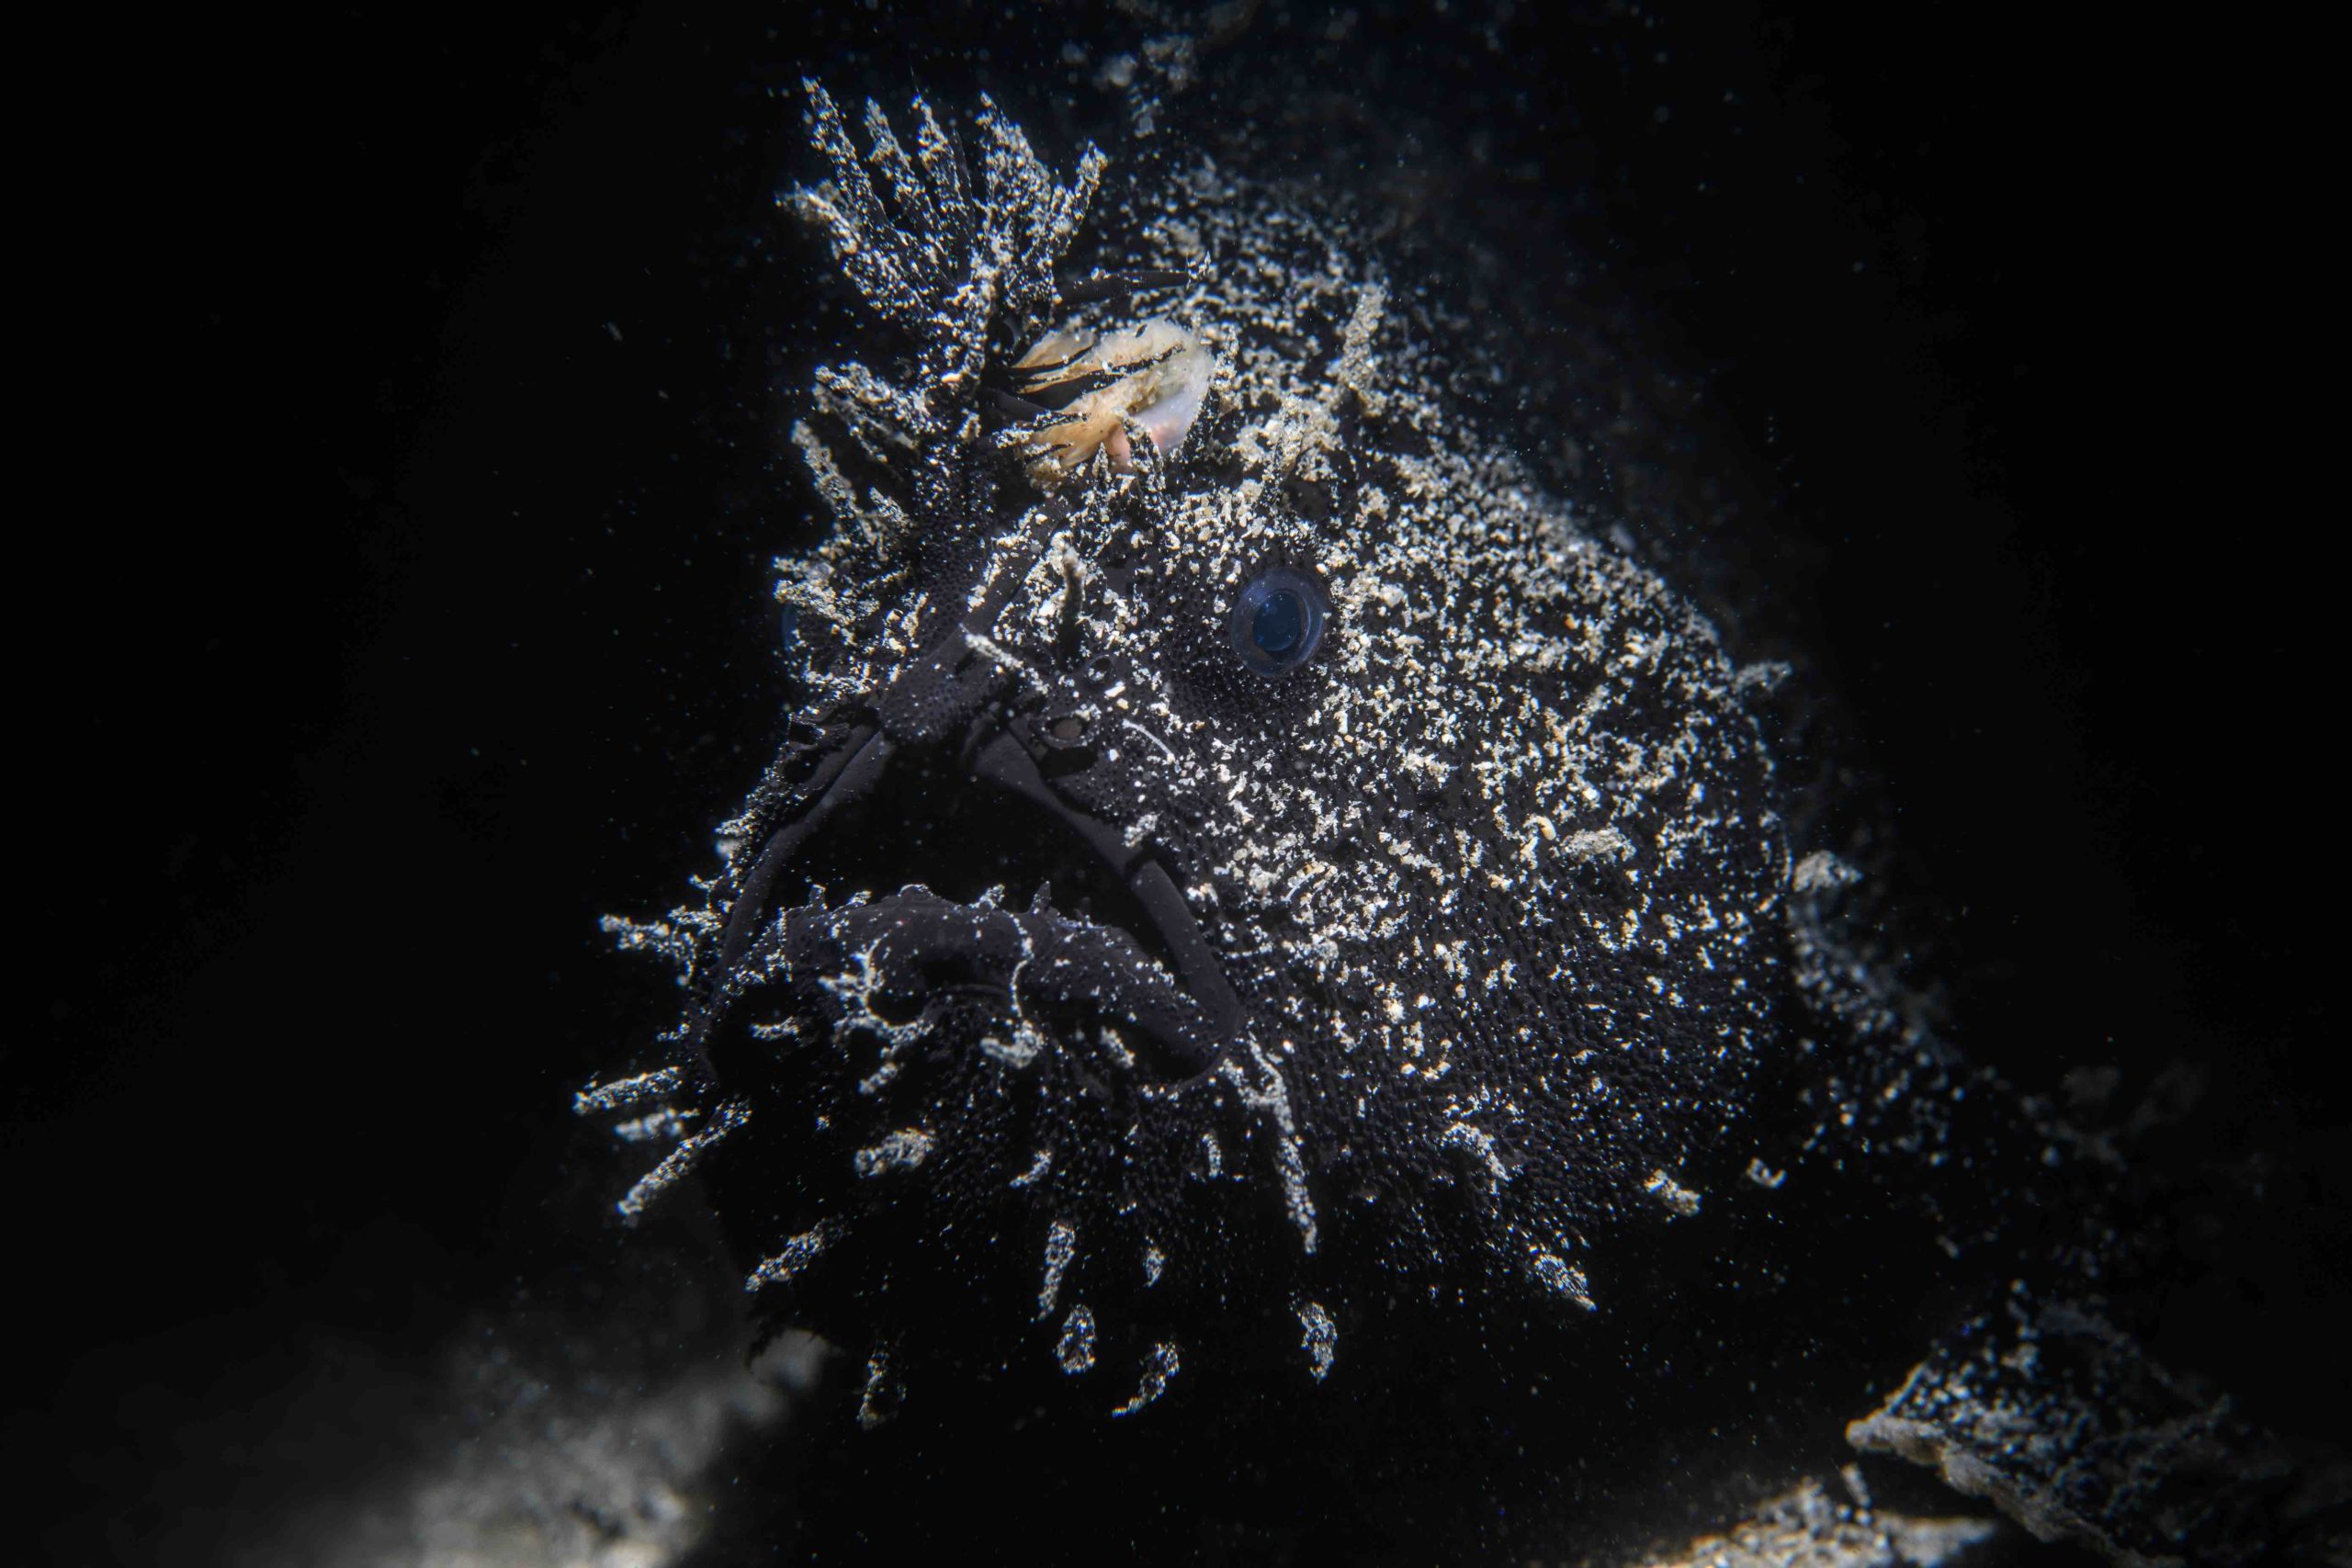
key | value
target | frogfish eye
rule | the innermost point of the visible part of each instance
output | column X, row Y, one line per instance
column 1278, row 620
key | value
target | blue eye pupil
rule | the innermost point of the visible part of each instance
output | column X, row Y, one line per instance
column 1278, row 620
column 1281, row 621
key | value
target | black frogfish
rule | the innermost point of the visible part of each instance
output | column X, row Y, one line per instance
column 1252, row 869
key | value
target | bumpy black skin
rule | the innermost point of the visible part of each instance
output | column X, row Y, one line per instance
column 1079, row 1013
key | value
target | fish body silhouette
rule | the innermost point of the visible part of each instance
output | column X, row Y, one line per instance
column 1259, row 882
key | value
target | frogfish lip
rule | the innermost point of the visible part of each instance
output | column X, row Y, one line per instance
column 893, row 808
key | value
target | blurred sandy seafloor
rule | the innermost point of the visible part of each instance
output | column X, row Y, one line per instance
column 468, row 323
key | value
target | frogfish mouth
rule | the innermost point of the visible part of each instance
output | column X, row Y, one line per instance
column 950, row 774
